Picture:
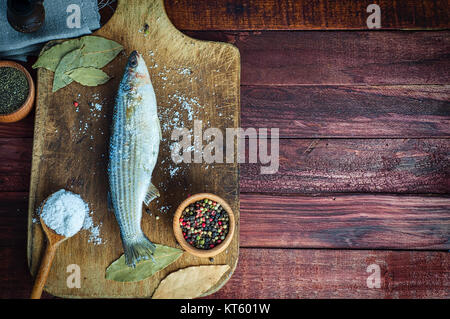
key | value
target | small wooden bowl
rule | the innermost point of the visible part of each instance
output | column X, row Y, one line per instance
column 179, row 234
column 26, row 107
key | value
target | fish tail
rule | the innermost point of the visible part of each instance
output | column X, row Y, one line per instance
column 137, row 249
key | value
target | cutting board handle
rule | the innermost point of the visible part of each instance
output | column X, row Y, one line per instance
column 149, row 8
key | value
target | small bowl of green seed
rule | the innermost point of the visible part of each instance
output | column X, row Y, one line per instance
column 204, row 225
column 16, row 92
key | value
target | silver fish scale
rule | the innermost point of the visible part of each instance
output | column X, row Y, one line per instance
column 133, row 154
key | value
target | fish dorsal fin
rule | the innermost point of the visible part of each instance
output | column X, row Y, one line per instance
column 152, row 193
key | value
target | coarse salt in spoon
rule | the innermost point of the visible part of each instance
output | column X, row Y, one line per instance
column 62, row 216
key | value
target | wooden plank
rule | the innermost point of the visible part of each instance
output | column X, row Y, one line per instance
column 345, row 221
column 291, row 273
column 268, row 273
column 340, row 58
column 23, row 128
column 341, row 221
column 353, row 165
column 15, row 183
column 332, row 111
column 316, row 165
column 304, row 14
column 71, row 147
column 15, row 156
column 348, row 111
column 14, row 218
column 297, row 273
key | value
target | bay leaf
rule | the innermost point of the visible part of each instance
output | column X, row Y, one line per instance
column 69, row 62
column 97, row 51
column 163, row 256
column 50, row 58
column 190, row 282
column 88, row 76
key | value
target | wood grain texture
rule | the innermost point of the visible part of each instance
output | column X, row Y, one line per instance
column 292, row 273
column 310, row 166
column 348, row 111
column 15, row 183
column 14, row 216
column 340, row 58
column 271, row 60
column 354, row 165
column 332, row 111
column 345, row 222
column 338, row 222
column 70, row 147
column 15, row 156
column 304, row 14
column 23, row 128
column 298, row 273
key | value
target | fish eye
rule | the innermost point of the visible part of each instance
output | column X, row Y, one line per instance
column 133, row 62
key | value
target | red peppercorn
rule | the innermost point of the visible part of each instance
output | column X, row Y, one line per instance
column 75, row 104
column 220, row 223
column 203, row 225
column 211, row 246
column 219, row 241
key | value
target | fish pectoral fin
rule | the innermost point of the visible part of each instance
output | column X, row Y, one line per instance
column 159, row 127
column 152, row 193
column 109, row 200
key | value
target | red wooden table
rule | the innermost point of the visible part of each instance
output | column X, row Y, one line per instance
column 364, row 177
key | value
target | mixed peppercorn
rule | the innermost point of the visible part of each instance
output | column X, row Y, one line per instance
column 205, row 224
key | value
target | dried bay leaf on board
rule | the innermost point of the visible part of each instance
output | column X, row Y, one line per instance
column 88, row 76
column 50, row 58
column 88, row 51
column 70, row 61
column 190, row 282
column 163, row 256
column 97, row 51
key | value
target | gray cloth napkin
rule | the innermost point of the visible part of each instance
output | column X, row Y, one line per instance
column 16, row 45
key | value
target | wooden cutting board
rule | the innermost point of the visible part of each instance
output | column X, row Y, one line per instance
column 193, row 80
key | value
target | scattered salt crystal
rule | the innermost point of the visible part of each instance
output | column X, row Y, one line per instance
column 64, row 212
column 173, row 171
column 184, row 71
column 94, row 230
column 164, row 209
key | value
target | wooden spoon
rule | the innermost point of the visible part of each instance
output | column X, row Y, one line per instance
column 53, row 241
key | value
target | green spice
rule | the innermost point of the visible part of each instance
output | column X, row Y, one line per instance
column 204, row 224
column 79, row 60
column 13, row 89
